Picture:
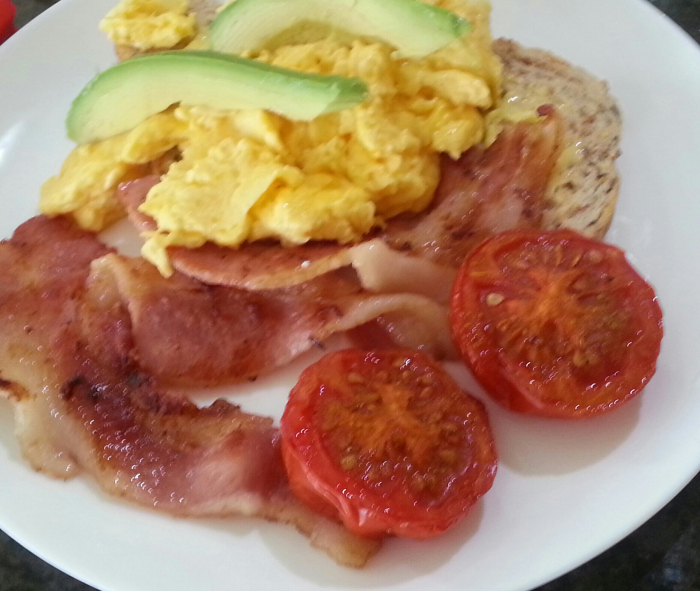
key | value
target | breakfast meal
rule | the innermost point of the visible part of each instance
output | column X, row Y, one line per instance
column 377, row 169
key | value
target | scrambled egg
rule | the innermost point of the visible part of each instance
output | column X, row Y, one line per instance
column 250, row 175
column 511, row 109
column 91, row 173
column 149, row 24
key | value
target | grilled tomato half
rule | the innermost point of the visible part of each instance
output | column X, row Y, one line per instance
column 555, row 324
column 387, row 442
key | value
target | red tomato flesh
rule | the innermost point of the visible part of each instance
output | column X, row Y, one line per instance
column 387, row 442
column 555, row 324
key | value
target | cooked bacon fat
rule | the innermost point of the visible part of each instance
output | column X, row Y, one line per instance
column 84, row 402
column 43, row 268
column 485, row 192
column 186, row 333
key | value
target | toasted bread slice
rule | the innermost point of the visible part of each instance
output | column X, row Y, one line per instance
column 583, row 196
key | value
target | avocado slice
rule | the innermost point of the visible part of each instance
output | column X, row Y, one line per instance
column 121, row 97
column 414, row 28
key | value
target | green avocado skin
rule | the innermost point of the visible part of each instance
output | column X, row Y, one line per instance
column 123, row 96
column 415, row 29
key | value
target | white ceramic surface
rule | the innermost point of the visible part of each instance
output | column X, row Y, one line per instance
column 564, row 491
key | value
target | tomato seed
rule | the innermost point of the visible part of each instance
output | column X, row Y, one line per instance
column 349, row 462
column 449, row 427
column 417, row 483
column 559, row 252
column 594, row 257
column 448, row 456
column 386, row 470
column 355, row 378
column 430, row 481
column 494, row 299
column 435, row 418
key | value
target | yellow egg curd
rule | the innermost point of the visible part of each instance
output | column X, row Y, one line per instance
column 150, row 24
column 251, row 175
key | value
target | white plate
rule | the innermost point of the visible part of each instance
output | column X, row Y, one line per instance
column 564, row 491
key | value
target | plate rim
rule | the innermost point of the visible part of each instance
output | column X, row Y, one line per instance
column 673, row 28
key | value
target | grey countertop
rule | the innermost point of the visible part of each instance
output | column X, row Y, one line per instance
column 662, row 555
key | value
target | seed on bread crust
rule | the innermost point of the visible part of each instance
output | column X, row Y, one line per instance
column 584, row 199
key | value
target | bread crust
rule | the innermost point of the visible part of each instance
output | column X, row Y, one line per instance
column 582, row 197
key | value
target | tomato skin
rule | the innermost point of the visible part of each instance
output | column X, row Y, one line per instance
column 7, row 14
column 307, row 488
column 624, row 321
column 320, row 481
